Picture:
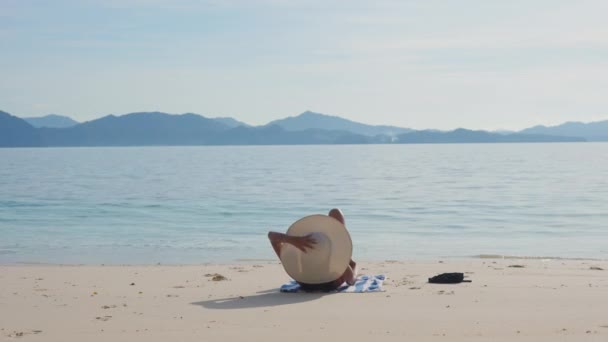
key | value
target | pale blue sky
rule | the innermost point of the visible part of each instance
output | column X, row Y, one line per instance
column 423, row 64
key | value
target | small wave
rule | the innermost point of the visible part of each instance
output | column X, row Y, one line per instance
column 529, row 257
column 15, row 204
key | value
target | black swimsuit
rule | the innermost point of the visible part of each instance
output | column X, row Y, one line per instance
column 323, row 287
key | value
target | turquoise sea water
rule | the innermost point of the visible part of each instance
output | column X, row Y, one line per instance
column 215, row 204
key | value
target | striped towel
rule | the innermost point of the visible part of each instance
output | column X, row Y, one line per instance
column 363, row 284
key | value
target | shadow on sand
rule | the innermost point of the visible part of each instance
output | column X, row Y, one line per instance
column 266, row 298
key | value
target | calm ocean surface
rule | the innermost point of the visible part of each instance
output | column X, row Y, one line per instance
column 215, row 204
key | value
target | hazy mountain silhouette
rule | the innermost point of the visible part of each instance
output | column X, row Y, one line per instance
column 592, row 131
column 503, row 131
column 276, row 135
column 155, row 128
column 231, row 122
column 51, row 121
column 16, row 132
column 468, row 136
column 310, row 120
column 136, row 129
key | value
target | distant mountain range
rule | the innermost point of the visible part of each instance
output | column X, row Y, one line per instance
column 156, row 128
column 593, row 131
column 310, row 120
column 468, row 136
column 51, row 121
column 15, row 132
column 230, row 122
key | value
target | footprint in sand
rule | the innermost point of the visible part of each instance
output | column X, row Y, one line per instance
column 446, row 293
column 23, row 333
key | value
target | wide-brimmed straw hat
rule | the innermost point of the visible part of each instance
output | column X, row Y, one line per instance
column 329, row 257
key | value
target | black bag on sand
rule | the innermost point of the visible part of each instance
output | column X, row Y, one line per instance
column 448, row 278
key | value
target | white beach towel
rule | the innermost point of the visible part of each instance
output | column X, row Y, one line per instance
column 363, row 284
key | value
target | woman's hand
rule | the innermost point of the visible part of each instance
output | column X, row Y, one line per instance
column 301, row 242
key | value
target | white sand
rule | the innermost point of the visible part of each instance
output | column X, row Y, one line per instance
column 547, row 300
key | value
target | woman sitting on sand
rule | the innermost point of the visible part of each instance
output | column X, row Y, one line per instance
column 321, row 233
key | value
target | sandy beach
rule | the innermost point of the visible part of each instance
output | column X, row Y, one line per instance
column 507, row 300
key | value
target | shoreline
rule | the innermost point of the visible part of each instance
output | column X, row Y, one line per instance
column 241, row 261
column 151, row 303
